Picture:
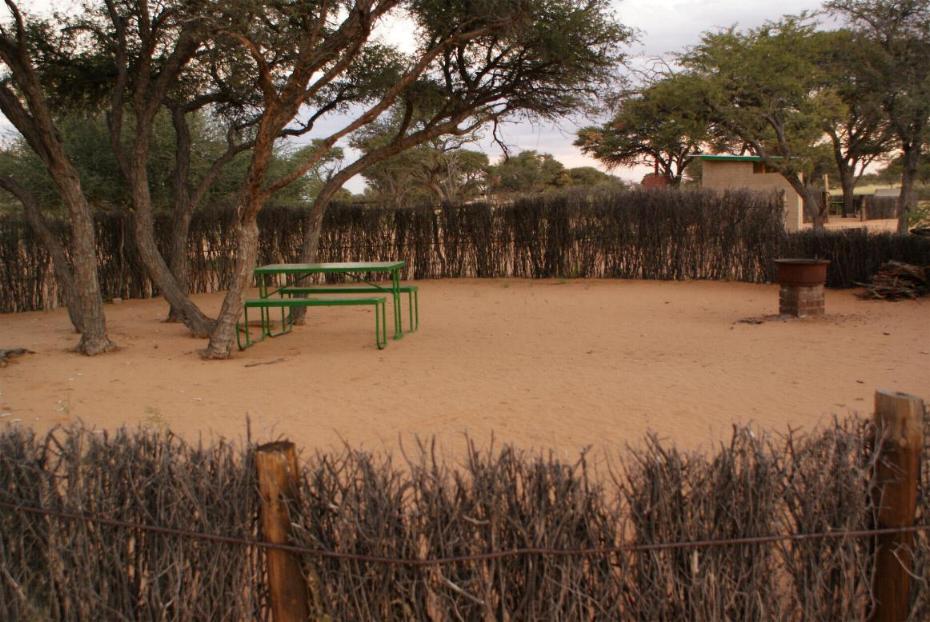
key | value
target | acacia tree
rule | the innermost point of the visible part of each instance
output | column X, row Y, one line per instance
column 475, row 62
column 150, row 45
column 526, row 172
column 664, row 124
column 859, row 133
column 25, row 103
column 766, row 92
column 441, row 169
column 900, row 73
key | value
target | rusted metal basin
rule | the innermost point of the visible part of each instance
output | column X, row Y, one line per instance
column 801, row 272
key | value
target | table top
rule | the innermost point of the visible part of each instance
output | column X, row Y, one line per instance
column 330, row 268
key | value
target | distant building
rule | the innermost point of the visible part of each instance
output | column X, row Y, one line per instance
column 733, row 172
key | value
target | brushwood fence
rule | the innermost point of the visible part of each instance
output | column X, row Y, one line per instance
column 661, row 535
column 611, row 234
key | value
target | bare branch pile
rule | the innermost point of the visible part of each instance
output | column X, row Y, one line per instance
column 54, row 569
column 896, row 280
column 422, row 509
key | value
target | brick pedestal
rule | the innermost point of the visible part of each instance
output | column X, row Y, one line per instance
column 800, row 300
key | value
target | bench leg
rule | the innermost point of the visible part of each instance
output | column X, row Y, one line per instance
column 410, row 309
column 380, row 325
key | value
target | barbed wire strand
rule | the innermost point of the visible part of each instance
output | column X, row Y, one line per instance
column 440, row 561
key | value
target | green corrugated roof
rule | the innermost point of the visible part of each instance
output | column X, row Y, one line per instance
column 728, row 158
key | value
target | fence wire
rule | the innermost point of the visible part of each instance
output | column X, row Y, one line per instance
column 140, row 525
column 494, row 555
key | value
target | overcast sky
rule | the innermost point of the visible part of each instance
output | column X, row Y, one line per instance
column 663, row 26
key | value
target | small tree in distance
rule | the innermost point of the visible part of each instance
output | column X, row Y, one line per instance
column 766, row 92
column 665, row 124
column 898, row 32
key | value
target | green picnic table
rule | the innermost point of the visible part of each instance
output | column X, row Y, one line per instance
column 292, row 293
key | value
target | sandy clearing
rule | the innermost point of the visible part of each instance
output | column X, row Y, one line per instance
column 542, row 364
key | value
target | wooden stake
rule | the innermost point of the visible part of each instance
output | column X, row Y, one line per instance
column 899, row 419
column 277, row 483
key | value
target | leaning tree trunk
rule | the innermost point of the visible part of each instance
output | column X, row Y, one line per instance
column 94, row 339
column 60, row 266
column 224, row 331
column 813, row 206
column 811, row 199
column 313, row 227
column 905, row 199
column 144, row 228
column 180, row 258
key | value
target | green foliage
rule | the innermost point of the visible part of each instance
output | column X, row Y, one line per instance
column 530, row 172
column 766, row 91
column 664, row 123
column 438, row 171
column 87, row 142
column 527, row 172
column 897, row 33
column 545, row 57
column 589, row 177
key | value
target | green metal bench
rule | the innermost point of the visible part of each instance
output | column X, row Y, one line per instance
column 413, row 299
column 264, row 304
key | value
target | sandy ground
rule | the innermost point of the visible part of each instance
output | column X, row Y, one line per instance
column 542, row 364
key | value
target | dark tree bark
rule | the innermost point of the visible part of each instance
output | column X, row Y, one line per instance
column 54, row 247
column 848, row 183
column 188, row 194
column 147, row 82
column 904, row 204
column 183, row 209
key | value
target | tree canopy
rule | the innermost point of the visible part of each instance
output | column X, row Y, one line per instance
column 665, row 124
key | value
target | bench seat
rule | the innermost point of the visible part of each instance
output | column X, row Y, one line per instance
column 413, row 299
column 264, row 304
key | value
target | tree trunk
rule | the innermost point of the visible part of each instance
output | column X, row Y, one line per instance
column 53, row 247
column 180, row 260
column 224, row 331
column 847, row 176
column 849, row 197
column 813, row 206
column 144, row 228
column 38, row 128
column 94, row 339
column 811, row 199
column 904, row 204
column 313, row 227
column 182, row 206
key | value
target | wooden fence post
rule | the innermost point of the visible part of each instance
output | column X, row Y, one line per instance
column 277, row 483
column 899, row 418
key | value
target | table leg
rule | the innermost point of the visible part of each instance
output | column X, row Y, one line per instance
column 265, row 312
column 395, row 290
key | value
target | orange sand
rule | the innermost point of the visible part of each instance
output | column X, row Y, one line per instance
column 550, row 364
